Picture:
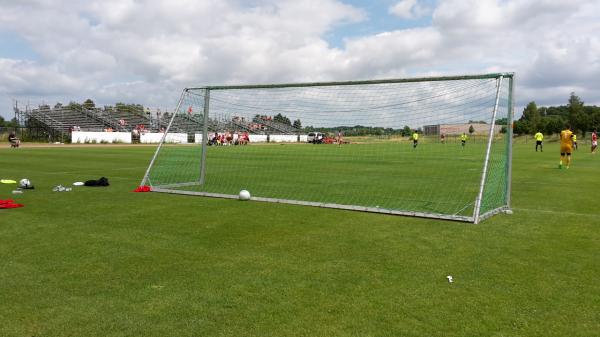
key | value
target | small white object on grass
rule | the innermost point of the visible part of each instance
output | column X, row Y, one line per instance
column 24, row 183
column 61, row 188
column 508, row 211
column 244, row 195
column 449, row 277
column 78, row 183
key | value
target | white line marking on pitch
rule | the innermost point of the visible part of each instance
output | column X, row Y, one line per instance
column 79, row 172
column 554, row 212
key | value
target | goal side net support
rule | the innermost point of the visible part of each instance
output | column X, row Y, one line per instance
column 436, row 147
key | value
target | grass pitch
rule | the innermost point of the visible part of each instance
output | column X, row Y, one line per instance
column 109, row 262
column 384, row 175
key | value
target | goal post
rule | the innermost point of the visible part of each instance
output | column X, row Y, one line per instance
column 435, row 147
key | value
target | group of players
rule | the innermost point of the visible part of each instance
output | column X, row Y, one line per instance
column 568, row 142
column 415, row 139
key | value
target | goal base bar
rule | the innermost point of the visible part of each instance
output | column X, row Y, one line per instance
column 326, row 205
column 493, row 212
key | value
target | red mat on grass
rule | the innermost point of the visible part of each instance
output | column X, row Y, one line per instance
column 9, row 203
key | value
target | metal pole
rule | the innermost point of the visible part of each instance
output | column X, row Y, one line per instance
column 204, row 136
column 162, row 140
column 384, row 81
column 511, row 113
column 487, row 155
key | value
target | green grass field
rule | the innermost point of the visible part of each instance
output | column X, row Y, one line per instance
column 109, row 262
column 383, row 175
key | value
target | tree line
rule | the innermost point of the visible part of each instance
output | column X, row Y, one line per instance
column 549, row 120
column 13, row 123
column 360, row 130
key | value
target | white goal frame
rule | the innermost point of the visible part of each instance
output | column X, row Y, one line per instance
column 477, row 216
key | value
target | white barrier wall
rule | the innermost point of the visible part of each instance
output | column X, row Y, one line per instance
column 257, row 138
column 284, row 138
column 83, row 137
column 263, row 138
column 155, row 137
column 179, row 138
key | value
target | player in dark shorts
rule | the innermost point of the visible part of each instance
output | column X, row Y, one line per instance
column 539, row 141
column 415, row 138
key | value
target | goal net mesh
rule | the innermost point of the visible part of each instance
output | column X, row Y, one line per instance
column 345, row 145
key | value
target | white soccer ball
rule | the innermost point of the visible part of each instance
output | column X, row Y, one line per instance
column 24, row 183
column 244, row 195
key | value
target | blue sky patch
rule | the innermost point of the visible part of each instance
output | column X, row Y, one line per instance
column 378, row 20
column 15, row 47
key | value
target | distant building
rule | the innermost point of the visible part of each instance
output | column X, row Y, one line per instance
column 459, row 129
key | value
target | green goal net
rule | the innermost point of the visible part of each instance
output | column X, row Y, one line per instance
column 433, row 147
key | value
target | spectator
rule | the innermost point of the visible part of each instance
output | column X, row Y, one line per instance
column 13, row 140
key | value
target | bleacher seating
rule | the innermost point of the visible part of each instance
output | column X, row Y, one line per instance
column 182, row 122
column 127, row 119
column 274, row 126
column 63, row 119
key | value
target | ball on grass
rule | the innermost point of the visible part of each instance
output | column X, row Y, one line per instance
column 24, row 183
column 244, row 195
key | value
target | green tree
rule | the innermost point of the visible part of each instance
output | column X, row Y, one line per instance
column 297, row 124
column 89, row 104
column 576, row 115
column 554, row 124
column 14, row 123
column 406, row 131
column 521, row 127
column 471, row 129
column 282, row 119
column 74, row 106
column 533, row 117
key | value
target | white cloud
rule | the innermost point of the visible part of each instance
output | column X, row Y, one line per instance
column 408, row 9
column 148, row 50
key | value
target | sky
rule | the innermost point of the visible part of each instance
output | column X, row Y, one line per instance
column 147, row 51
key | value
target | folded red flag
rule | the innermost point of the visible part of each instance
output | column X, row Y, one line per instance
column 7, row 201
column 143, row 189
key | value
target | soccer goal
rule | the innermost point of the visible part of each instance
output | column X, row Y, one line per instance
column 436, row 147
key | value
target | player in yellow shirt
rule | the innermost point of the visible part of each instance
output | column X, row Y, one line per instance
column 463, row 139
column 566, row 146
column 539, row 141
column 415, row 138
column 575, row 141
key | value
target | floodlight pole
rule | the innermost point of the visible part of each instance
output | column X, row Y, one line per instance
column 487, row 155
column 204, row 136
column 162, row 140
